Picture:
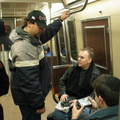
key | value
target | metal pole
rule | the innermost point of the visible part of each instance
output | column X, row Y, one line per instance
column 51, row 46
column 81, row 9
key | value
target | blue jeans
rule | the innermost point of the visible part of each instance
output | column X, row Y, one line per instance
column 29, row 113
column 59, row 115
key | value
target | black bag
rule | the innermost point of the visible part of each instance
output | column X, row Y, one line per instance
column 4, row 80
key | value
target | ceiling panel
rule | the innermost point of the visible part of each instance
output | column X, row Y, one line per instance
column 22, row 7
column 55, row 1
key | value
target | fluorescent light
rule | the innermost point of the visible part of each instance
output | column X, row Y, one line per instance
column 56, row 7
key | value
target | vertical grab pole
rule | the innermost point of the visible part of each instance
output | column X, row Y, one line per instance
column 51, row 46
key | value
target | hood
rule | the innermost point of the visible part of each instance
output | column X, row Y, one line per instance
column 19, row 34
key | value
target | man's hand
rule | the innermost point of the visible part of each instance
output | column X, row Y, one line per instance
column 94, row 104
column 65, row 15
column 75, row 111
column 64, row 97
column 40, row 111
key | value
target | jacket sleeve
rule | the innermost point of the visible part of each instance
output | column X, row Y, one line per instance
column 52, row 30
column 63, row 81
column 4, row 80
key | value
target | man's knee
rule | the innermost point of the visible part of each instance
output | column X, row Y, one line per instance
column 50, row 116
column 59, row 115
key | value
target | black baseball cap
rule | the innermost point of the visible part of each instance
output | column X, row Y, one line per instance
column 4, row 39
column 39, row 17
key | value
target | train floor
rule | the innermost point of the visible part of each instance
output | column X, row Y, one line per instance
column 11, row 111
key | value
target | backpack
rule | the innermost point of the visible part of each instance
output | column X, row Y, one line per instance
column 4, row 80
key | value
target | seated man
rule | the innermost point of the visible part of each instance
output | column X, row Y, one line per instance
column 106, row 90
column 76, row 82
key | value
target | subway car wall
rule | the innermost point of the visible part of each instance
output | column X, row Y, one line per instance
column 96, row 26
column 96, row 11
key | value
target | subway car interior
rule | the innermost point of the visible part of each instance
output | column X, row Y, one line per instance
column 92, row 23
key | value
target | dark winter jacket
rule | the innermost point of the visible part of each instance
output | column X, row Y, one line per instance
column 4, row 80
column 77, row 82
column 30, row 78
column 110, row 113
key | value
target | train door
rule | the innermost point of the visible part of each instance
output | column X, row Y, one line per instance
column 96, row 34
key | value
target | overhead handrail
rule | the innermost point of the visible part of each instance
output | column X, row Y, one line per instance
column 79, row 10
column 72, row 10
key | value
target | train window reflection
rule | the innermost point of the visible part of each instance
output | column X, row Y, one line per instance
column 62, row 42
column 72, row 38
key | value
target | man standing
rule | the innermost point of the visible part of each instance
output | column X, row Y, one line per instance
column 4, row 79
column 30, row 78
column 76, row 82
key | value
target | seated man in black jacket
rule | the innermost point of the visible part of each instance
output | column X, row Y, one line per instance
column 76, row 82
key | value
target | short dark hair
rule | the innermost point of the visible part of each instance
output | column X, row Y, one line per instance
column 90, row 51
column 107, row 87
column 26, row 20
